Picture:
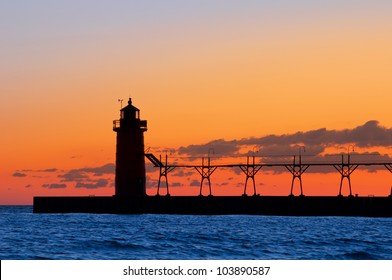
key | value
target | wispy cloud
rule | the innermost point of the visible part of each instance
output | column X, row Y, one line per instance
column 19, row 174
column 181, row 173
column 84, row 173
column 87, row 177
column 54, row 186
column 73, row 175
column 220, row 146
column 195, row 183
column 53, row 169
column 100, row 183
column 77, row 175
column 152, row 183
column 100, row 170
column 48, row 170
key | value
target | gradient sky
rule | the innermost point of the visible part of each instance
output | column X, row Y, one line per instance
column 199, row 71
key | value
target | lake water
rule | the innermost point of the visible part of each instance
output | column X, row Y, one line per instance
column 24, row 235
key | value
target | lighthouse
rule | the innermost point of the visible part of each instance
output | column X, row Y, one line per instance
column 130, row 166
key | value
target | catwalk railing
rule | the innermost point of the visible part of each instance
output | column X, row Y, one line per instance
column 296, row 167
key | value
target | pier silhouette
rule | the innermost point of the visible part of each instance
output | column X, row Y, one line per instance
column 130, row 185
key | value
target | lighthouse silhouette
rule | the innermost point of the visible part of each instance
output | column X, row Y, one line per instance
column 130, row 166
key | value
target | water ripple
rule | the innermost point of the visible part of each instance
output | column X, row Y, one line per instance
column 87, row 236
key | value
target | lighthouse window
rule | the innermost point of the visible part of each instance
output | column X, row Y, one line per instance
column 137, row 114
column 122, row 115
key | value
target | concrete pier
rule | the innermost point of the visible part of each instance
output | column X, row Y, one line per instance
column 220, row 205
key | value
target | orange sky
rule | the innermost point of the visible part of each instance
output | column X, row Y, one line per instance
column 198, row 72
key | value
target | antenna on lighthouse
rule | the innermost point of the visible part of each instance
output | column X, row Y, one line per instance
column 121, row 101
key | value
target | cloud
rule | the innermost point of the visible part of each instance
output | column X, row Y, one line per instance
column 54, row 186
column 101, row 170
column 101, row 183
column 181, row 173
column 219, row 146
column 367, row 135
column 41, row 170
column 150, row 182
column 195, row 183
column 286, row 149
column 87, row 177
column 48, row 170
column 150, row 168
column 73, row 175
column 76, row 156
column 28, row 186
column 78, row 175
column 19, row 174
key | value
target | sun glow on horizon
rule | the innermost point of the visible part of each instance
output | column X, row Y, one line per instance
column 239, row 77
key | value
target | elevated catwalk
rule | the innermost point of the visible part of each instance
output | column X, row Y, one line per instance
column 221, row 205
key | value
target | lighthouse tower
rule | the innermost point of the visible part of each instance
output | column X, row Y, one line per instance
column 130, row 165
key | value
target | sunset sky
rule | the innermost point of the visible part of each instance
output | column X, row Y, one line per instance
column 238, row 77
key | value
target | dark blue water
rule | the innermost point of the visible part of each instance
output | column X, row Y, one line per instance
column 24, row 235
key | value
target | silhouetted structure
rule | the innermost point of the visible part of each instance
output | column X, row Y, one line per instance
column 130, row 165
column 130, row 186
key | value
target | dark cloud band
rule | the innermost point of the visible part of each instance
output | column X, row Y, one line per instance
column 370, row 134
